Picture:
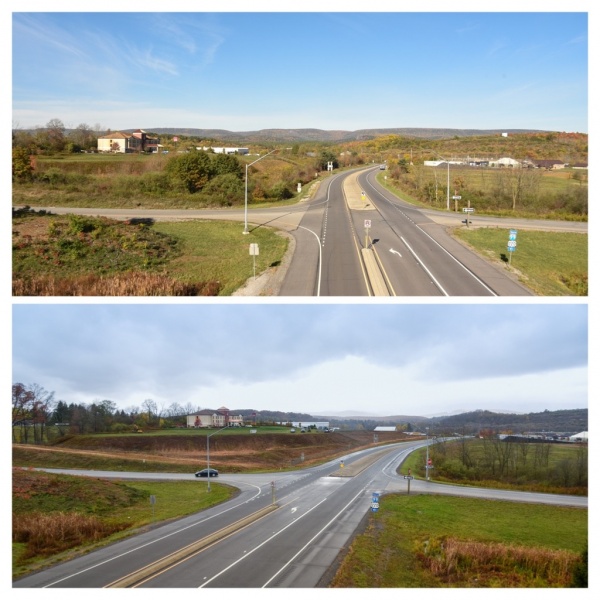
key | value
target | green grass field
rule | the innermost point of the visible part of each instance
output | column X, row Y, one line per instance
column 404, row 544
column 218, row 251
column 550, row 264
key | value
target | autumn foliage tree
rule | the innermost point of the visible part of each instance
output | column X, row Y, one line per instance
column 22, row 169
column 32, row 407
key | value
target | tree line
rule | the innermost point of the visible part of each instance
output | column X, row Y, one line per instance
column 37, row 415
column 511, row 460
column 54, row 138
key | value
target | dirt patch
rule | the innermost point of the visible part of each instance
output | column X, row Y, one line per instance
column 33, row 229
column 236, row 453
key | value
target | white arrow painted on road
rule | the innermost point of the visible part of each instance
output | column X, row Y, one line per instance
column 294, row 509
column 395, row 252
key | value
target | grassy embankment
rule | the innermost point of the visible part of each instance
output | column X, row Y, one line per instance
column 58, row 516
column 435, row 541
column 69, row 255
column 548, row 263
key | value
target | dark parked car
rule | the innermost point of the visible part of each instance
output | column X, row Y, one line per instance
column 207, row 473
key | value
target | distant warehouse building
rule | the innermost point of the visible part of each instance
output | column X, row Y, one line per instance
column 309, row 424
column 224, row 150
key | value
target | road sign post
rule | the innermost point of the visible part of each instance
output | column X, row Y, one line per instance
column 512, row 243
column 254, row 253
column 375, row 502
column 408, row 478
column 456, row 198
column 367, row 227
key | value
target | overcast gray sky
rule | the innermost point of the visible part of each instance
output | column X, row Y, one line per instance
column 421, row 359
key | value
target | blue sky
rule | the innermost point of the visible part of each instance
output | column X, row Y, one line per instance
column 244, row 71
column 414, row 359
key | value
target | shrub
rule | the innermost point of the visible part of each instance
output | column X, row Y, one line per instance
column 52, row 176
column 22, row 169
column 225, row 190
column 580, row 572
column 192, row 171
column 280, row 192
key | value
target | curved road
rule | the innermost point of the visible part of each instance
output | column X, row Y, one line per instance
column 307, row 517
column 414, row 252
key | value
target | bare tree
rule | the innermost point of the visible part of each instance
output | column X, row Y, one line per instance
column 149, row 406
column 519, row 183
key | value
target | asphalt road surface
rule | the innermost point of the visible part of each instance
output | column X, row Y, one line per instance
column 282, row 530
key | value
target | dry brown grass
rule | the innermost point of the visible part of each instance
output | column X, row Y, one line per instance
column 468, row 562
column 125, row 284
column 47, row 534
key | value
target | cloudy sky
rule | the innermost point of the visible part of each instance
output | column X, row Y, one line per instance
column 410, row 359
column 301, row 68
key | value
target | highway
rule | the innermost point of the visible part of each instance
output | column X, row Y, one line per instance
column 409, row 249
column 415, row 254
column 282, row 530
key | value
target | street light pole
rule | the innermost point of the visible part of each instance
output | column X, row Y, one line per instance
column 246, row 232
column 208, row 454
column 447, row 181
column 448, row 187
column 427, row 457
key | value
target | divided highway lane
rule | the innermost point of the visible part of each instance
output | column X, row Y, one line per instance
column 334, row 268
column 294, row 546
column 419, row 256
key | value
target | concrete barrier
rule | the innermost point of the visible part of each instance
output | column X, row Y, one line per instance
column 374, row 273
column 354, row 194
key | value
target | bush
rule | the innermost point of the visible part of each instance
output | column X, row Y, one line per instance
column 81, row 224
column 52, row 176
column 21, row 165
column 225, row 190
column 580, row 572
column 192, row 171
column 280, row 192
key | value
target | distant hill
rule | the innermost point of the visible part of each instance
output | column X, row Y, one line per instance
column 567, row 421
column 322, row 135
column 574, row 421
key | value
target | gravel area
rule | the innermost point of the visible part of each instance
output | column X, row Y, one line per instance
column 269, row 282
